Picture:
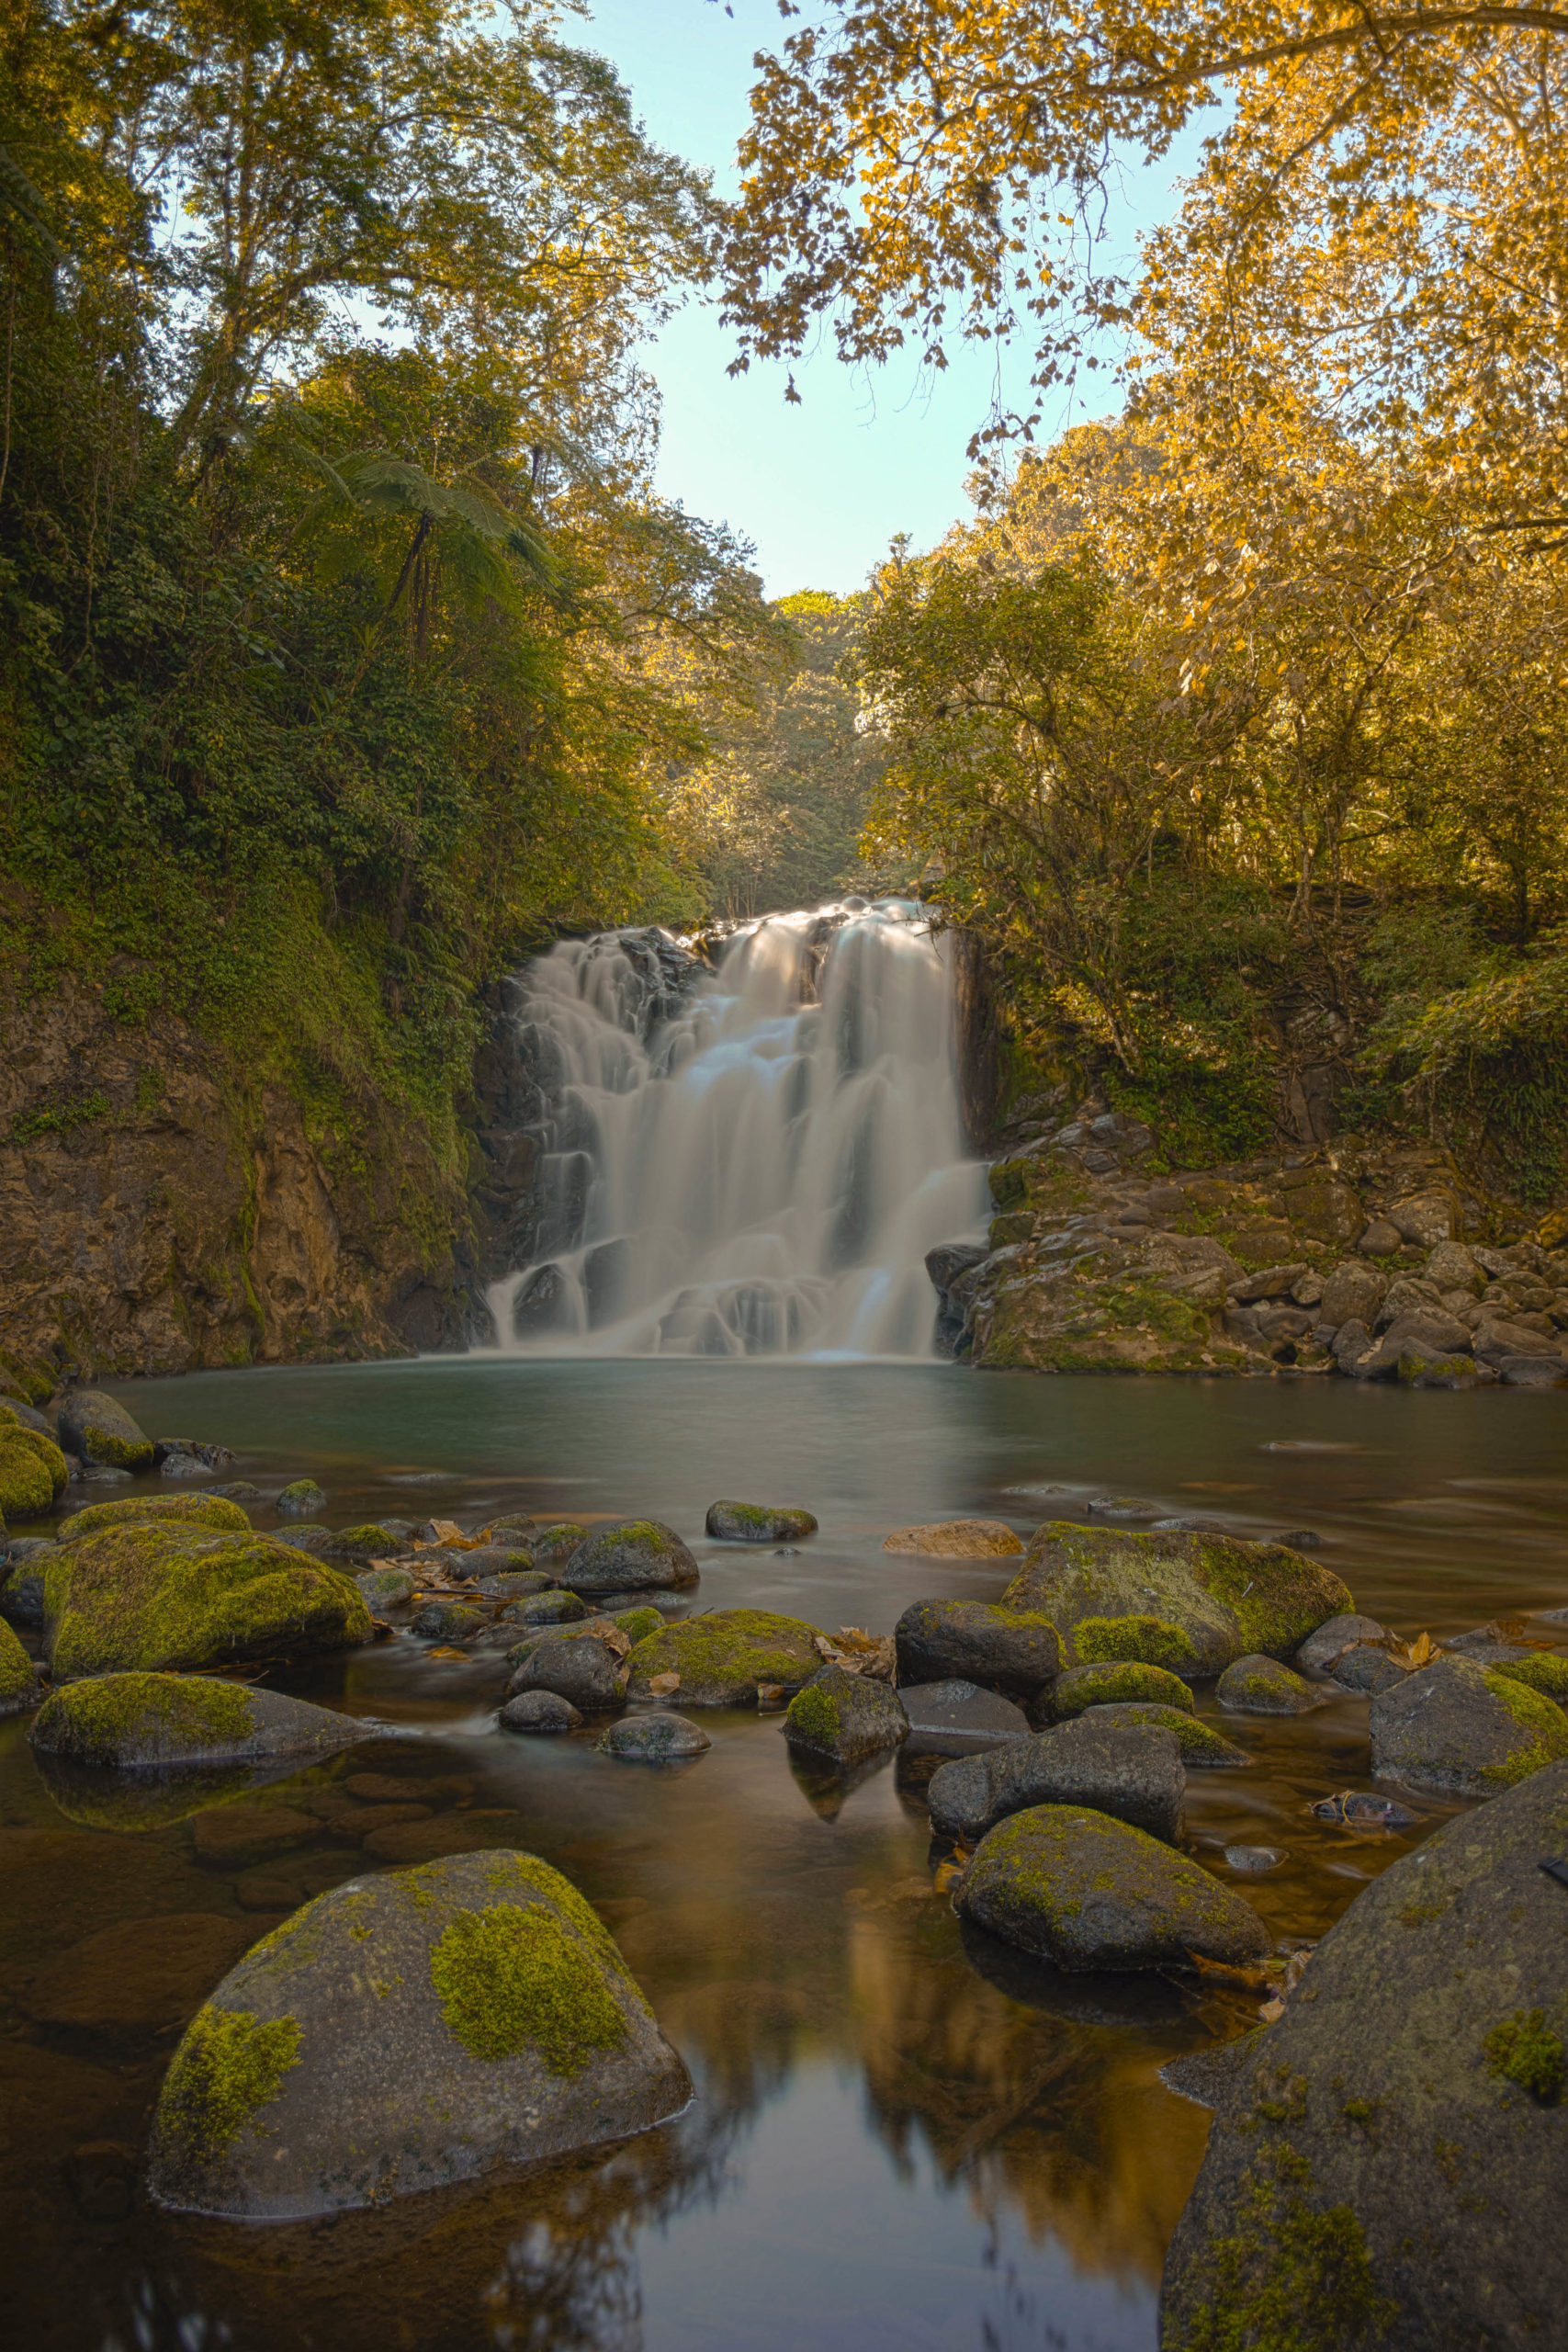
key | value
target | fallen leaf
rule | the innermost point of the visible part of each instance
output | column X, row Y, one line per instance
column 1221, row 1972
column 771, row 1698
column 445, row 1653
column 946, row 1876
column 663, row 1683
column 1272, row 2011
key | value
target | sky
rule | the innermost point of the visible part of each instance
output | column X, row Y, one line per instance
column 821, row 490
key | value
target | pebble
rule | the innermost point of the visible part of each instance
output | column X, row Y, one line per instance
column 1255, row 1859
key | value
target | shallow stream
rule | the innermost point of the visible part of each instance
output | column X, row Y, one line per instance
column 903, row 2137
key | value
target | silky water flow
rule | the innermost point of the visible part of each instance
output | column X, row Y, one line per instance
column 747, row 1160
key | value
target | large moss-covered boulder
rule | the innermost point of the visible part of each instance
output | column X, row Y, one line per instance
column 734, row 1523
column 137, row 1510
column 848, row 1718
column 155, row 1722
column 1016, row 1650
column 639, row 1554
column 721, row 1657
column 151, row 1596
column 404, row 2033
column 1465, row 1728
column 96, row 1429
column 1118, row 1680
column 1189, row 1602
column 1084, row 1891
column 1387, row 2162
column 32, row 1469
column 19, row 1687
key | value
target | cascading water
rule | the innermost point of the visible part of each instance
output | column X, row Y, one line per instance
column 752, row 1160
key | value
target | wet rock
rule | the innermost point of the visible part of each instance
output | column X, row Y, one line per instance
column 316, row 1542
column 1191, row 1603
column 140, row 1977
column 1079, row 1889
column 719, row 1658
column 1496, row 1344
column 1451, row 1267
column 973, row 1641
column 539, row 1711
column 637, row 1624
column 233, row 1835
column 1464, row 1727
column 1543, row 1670
column 447, row 1621
column 370, row 1538
column 21, row 1598
column 1202, row 1748
column 1255, row 1861
column 519, row 1585
column 150, row 1596
column 1261, row 1686
column 559, row 1542
column 1363, row 1810
column 1133, row 1775
column 584, row 1672
column 19, row 1686
column 33, row 1470
column 1380, row 1239
column 630, row 1558
column 208, row 1509
column 1367, row 1670
column 303, row 1496
column 758, row 1523
column 1318, row 1652
column 847, row 1717
column 552, row 1607
column 957, row 1539
column 96, row 1429
column 386, row 1588
column 957, row 1717
column 1389, row 2166
column 406, row 2032
column 1122, row 1679
column 175, row 1456
column 515, row 1526
column 133, row 1723
column 1530, row 1372
column 655, row 1736
column 485, row 1562
column 1428, row 1367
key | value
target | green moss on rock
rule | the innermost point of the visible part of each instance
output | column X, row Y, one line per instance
column 1290, row 2277
column 813, row 1716
column 32, row 1471
column 721, row 1657
column 229, row 2066
column 1544, row 1720
column 638, row 1624
column 1202, row 1745
column 1525, row 2051
column 1546, row 1672
column 1149, row 1641
column 507, row 1977
column 98, row 1721
column 18, row 1676
column 1118, row 1678
column 150, row 1510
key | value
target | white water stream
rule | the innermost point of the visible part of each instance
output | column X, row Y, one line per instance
column 757, row 1166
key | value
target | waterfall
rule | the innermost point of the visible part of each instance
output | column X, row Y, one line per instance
column 751, row 1159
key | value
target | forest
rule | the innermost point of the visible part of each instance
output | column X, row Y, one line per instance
column 350, row 652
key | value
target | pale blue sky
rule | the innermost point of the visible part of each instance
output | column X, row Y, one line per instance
column 821, row 488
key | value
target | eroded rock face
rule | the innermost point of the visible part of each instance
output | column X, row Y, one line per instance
column 1015, row 1650
column 1464, row 1727
column 133, row 1723
column 641, row 1555
column 720, row 1658
column 404, row 2033
column 1386, row 2162
column 1191, row 1603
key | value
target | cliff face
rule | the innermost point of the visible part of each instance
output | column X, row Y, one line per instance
column 162, row 1209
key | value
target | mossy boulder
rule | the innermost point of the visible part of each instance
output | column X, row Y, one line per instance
column 405, row 2032
column 1015, row 1650
column 1261, row 1686
column 367, row 1541
column 1118, row 1679
column 302, row 1496
column 1465, row 1728
column 154, row 1595
column 722, row 1656
column 759, row 1523
column 447, row 1621
column 1202, row 1748
column 638, row 1624
column 1547, row 1672
column 654, row 1736
column 636, row 1556
column 385, row 1587
column 1085, row 1892
column 848, row 1718
column 958, row 1539
column 550, row 1607
column 1190, row 1602
column 32, row 1472
column 155, row 1510
column 19, row 1686
column 153, row 1722
column 1132, row 1775
column 558, row 1541
column 1385, row 2165
column 586, row 1673
column 96, row 1428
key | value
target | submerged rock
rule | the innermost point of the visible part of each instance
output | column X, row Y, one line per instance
column 958, row 1539
column 655, row 1737
column 719, row 1658
column 637, row 1554
column 19, row 1686
column 150, row 1721
column 405, row 2032
column 150, row 1596
column 32, row 1470
column 584, row 1672
column 1386, row 2165
column 1192, row 1604
column 1261, row 1686
column 1016, row 1650
column 758, row 1523
column 539, row 1711
column 1202, row 1748
column 302, row 1495
column 1120, row 1680
column 96, row 1429
column 1076, row 1888
column 386, row 1588
column 848, row 1717
column 957, row 1717
column 1133, row 1775
column 557, row 1542
column 1467, row 1729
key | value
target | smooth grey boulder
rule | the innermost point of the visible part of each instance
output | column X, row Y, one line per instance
column 406, row 2032
column 484, row 1562
column 1318, row 1652
column 955, row 1718
column 1427, row 1367
column 639, row 1554
column 447, row 1621
column 1385, row 2165
column 655, row 1736
column 734, row 1523
column 550, row 1607
column 1530, row 1372
column 1076, row 1888
column 1261, row 1686
column 518, row 1585
column 1458, row 1725
column 386, row 1588
column 1202, row 1745
column 584, row 1671
column 1013, row 1650
column 848, row 1717
column 96, row 1427
column 138, row 1723
column 1366, row 1669
column 1352, row 1294
column 1133, row 1774
column 539, row 1711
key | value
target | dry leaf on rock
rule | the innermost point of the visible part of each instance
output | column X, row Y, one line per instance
column 663, row 1683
